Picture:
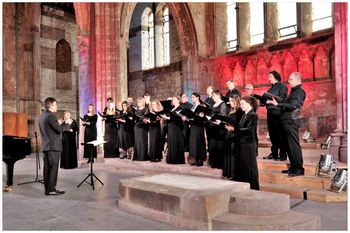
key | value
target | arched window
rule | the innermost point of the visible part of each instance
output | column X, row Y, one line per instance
column 231, row 26
column 321, row 15
column 256, row 23
column 166, row 37
column 162, row 49
column 287, row 19
column 63, row 65
column 147, row 37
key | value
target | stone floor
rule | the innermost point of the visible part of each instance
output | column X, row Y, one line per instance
column 27, row 208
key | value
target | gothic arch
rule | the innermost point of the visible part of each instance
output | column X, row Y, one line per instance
column 183, row 21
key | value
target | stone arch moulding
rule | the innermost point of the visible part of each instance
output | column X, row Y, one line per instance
column 183, row 21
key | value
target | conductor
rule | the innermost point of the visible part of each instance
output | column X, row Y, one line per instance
column 51, row 129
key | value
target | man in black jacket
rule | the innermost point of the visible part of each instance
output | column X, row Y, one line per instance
column 231, row 89
column 273, row 117
column 51, row 129
column 290, row 120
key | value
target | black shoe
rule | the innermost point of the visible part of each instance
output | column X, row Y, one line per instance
column 282, row 158
column 152, row 160
column 296, row 173
column 199, row 164
column 193, row 164
column 270, row 156
column 54, row 193
column 286, row 171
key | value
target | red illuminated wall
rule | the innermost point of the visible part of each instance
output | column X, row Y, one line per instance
column 312, row 57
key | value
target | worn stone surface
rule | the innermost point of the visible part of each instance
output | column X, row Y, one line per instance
column 188, row 202
column 287, row 221
column 259, row 203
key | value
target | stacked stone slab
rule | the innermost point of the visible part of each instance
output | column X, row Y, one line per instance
column 258, row 210
column 199, row 203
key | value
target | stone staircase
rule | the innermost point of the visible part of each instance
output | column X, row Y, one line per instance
column 309, row 186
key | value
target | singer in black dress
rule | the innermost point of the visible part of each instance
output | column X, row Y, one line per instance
column 111, row 148
column 231, row 148
column 247, row 167
column 90, row 133
column 126, row 130
column 176, row 154
column 155, row 136
column 197, row 151
column 217, row 133
column 140, row 131
column 69, row 144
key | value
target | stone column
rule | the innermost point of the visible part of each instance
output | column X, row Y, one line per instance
column 339, row 136
column 243, row 26
column 85, row 84
column 304, row 11
column 271, row 23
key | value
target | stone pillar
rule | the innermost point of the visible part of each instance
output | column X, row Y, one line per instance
column 339, row 137
column 271, row 23
column 85, row 84
column 304, row 11
column 243, row 26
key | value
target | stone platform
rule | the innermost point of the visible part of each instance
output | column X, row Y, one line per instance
column 201, row 203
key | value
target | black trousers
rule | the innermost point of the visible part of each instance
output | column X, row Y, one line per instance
column 292, row 144
column 275, row 132
column 51, row 161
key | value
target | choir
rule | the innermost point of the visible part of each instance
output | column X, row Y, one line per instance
column 224, row 126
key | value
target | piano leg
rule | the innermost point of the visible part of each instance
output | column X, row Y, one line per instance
column 9, row 172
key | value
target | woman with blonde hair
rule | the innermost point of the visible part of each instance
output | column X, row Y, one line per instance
column 155, row 137
column 140, row 131
column 111, row 148
column 69, row 144
column 90, row 133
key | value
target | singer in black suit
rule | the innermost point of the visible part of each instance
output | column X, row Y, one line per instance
column 51, row 129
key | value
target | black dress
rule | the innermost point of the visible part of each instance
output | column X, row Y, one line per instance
column 231, row 151
column 176, row 153
column 111, row 148
column 69, row 147
column 155, row 141
column 217, row 138
column 141, row 136
column 246, row 166
column 126, row 132
column 197, row 139
column 90, row 134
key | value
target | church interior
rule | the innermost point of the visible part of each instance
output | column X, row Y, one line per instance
column 83, row 53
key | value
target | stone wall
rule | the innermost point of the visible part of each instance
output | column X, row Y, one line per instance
column 159, row 82
column 313, row 57
column 58, row 26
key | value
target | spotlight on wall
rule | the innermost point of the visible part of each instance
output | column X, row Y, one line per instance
column 340, row 181
column 326, row 166
column 307, row 136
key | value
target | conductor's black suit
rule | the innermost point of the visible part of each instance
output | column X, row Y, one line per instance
column 51, row 131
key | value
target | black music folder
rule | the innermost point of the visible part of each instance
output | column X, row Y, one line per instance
column 167, row 104
column 150, row 116
column 266, row 96
column 203, row 109
column 188, row 113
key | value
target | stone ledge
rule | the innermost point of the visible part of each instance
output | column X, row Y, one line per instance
column 287, row 221
column 259, row 203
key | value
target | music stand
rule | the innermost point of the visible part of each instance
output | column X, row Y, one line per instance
column 91, row 174
column 37, row 163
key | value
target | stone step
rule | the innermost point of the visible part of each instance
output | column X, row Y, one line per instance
column 305, row 193
column 287, row 221
column 259, row 203
column 305, row 181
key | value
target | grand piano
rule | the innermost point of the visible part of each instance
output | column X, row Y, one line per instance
column 16, row 144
